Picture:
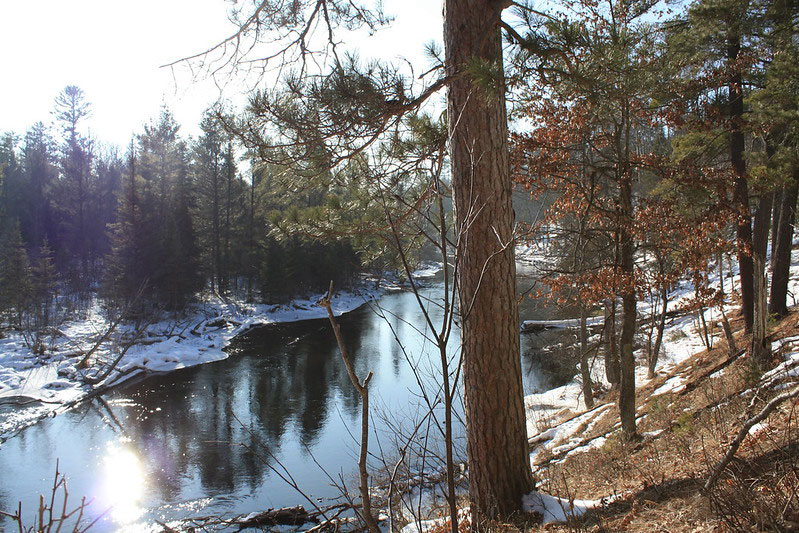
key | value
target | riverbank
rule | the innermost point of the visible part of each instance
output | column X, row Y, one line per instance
column 33, row 386
column 689, row 418
column 697, row 401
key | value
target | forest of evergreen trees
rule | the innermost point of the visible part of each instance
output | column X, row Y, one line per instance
column 162, row 222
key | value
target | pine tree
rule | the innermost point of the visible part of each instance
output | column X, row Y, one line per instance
column 710, row 49
column 165, row 203
column 74, row 195
column 39, row 223
column 15, row 274
column 182, row 277
column 43, row 288
column 126, row 272
column 776, row 113
column 208, row 175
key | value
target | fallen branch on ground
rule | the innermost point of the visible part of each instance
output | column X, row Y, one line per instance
column 744, row 431
column 728, row 361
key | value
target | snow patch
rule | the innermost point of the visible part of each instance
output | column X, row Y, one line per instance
column 554, row 509
column 674, row 384
column 39, row 385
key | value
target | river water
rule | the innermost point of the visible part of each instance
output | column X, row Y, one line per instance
column 222, row 438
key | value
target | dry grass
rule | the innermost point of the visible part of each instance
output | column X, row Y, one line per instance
column 657, row 481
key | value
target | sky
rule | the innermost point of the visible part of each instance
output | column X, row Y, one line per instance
column 114, row 50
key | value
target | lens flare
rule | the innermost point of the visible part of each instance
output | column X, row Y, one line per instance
column 123, row 485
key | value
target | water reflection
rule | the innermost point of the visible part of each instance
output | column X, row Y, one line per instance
column 207, row 440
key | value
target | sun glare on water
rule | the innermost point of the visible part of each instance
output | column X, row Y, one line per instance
column 123, row 484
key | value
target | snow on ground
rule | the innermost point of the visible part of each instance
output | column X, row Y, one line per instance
column 427, row 270
column 567, row 435
column 529, row 325
column 531, row 253
column 34, row 386
column 554, row 509
column 546, row 409
column 674, row 384
column 556, row 419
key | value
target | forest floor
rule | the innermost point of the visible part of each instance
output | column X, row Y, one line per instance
column 687, row 418
column 591, row 479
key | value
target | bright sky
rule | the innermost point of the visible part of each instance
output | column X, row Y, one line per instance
column 113, row 49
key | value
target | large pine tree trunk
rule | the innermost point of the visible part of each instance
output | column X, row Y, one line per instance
column 626, row 357
column 741, row 190
column 499, row 470
column 776, row 214
column 782, row 252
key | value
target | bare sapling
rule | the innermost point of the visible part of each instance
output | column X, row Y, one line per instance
column 732, row 347
column 585, row 368
column 52, row 515
column 363, row 390
column 441, row 333
column 663, row 298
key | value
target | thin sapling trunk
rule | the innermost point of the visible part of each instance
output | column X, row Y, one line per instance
column 363, row 391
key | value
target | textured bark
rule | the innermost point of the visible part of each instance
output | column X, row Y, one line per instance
column 611, row 346
column 782, row 252
column 776, row 211
column 653, row 357
column 762, row 220
column 585, row 367
column 499, row 470
column 626, row 357
column 741, row 190
column 761, row 346
column 725, row 324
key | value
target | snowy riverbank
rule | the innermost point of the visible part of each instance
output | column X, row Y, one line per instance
column 34, row 386
column 558, row 420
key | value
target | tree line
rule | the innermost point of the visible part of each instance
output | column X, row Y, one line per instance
column 168, row 218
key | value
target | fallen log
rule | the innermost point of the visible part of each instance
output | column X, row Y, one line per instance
column 725, row 363
column 286, row 516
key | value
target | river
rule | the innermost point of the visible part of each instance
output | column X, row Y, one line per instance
column 218, row 439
